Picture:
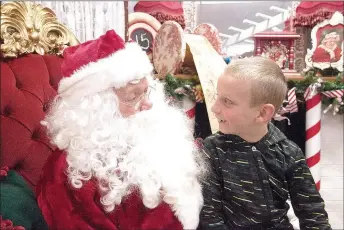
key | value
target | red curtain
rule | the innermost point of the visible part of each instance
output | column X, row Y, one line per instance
column 308, row 14
column 162, row 11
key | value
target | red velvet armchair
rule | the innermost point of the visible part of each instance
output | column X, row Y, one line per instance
column 30, row 73
column 28, row 84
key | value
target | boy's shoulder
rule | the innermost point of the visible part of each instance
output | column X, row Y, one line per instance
column 275, row 142
column 290, row 150
column 279, row 143
column 213, row 141
column 210, row 140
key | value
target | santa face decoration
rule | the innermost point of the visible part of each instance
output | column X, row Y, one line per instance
column 330, row 41
column 327, row 45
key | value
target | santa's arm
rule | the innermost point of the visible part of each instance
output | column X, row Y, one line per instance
column 160, row 218
column 64, row 207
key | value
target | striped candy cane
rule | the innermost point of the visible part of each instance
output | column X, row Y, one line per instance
column 313, row 138
column 337, row 94
column 334, row 93
column 292, row 101
column 291, row 107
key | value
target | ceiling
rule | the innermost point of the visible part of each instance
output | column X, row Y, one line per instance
column 223, row 14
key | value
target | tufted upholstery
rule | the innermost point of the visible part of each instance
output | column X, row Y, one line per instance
column 28, row 84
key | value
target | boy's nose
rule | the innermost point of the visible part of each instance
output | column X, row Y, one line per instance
column 215, row 109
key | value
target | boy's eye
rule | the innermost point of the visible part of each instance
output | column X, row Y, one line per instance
column 228, row 102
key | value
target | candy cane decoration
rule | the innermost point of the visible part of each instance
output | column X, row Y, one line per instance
column 337, row 94
column 292, row 101
column 313, row 124
column 334, row 93
column 291, row 107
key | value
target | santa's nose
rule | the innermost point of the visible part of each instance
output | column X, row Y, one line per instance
column 146, row 105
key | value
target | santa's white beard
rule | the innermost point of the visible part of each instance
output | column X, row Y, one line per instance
column 150, row 151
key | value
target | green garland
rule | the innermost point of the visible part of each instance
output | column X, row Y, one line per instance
column 172, row 83
column 311, row 78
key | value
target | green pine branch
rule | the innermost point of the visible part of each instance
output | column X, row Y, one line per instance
column 172, row 83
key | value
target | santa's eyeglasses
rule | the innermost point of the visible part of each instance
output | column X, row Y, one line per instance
column 135, row 103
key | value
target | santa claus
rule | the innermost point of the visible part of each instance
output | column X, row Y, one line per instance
column 328, row 50
column 126, row 159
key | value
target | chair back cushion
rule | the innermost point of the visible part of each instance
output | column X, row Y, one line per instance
column 28, row 84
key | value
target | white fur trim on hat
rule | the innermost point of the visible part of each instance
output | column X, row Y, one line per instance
column 116, row 71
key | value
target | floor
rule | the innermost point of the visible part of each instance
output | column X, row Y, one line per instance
column 332, row 167
column 331, row 185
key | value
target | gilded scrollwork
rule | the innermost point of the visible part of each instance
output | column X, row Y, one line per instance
column 27, row 27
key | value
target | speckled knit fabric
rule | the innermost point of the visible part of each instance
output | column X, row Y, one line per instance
column 248, row 184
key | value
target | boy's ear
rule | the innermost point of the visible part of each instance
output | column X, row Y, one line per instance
column 266, row 113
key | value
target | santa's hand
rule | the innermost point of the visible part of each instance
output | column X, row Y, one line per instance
column 331, row 52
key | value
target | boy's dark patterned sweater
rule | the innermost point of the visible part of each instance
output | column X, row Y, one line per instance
column 248, row 184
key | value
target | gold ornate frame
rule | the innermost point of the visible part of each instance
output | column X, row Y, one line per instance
column 27, row 27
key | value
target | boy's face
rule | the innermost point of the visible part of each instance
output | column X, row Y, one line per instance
column 232, row 107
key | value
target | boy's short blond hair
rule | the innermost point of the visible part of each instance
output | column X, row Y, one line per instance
column 267, row 79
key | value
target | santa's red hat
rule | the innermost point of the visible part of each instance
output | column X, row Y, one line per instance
column 100, row 64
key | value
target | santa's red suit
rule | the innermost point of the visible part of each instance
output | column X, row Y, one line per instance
column 65, row 207
column 323, row 54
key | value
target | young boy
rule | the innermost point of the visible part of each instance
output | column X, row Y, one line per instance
column 254, row 168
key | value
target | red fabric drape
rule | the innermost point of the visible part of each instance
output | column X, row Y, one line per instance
column 173, row 8
column 162, row 11
column 308, row 14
